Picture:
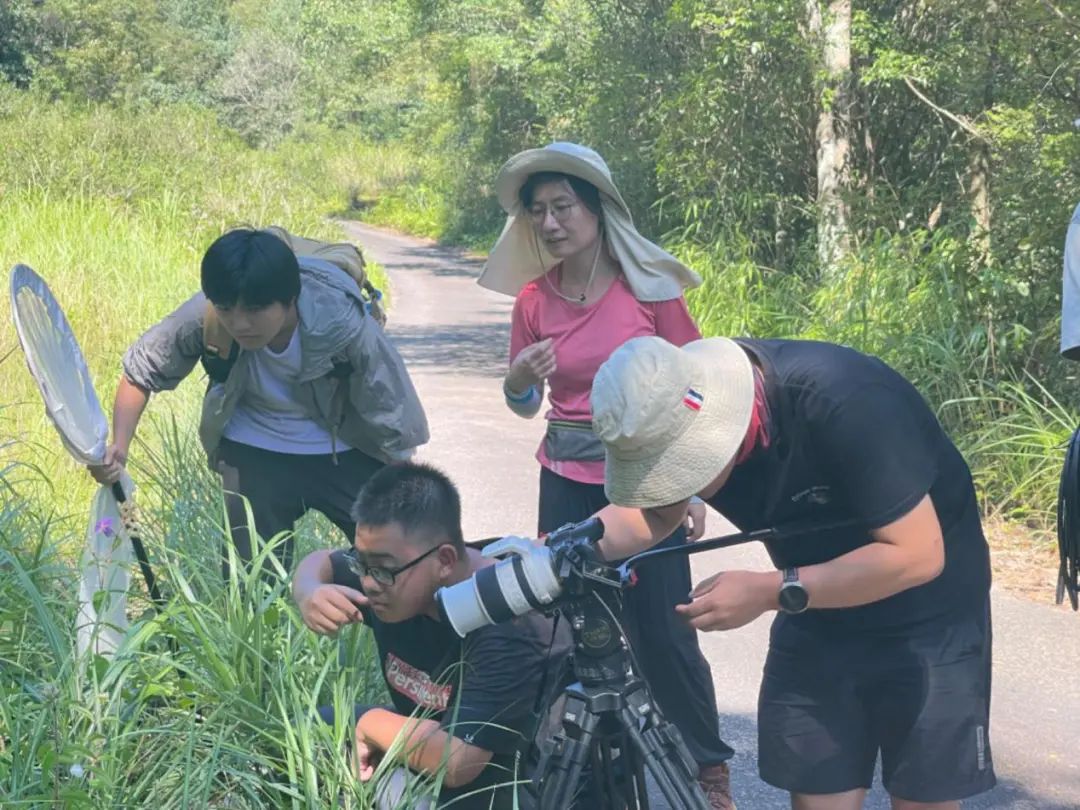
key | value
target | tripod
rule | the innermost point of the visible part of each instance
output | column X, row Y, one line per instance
column 610, row 722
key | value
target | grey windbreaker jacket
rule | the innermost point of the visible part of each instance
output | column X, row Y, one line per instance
column 374, row 408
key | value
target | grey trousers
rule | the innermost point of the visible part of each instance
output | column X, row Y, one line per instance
column 392, row 793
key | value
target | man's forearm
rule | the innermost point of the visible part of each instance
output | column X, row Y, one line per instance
column 908, row 552
column 128, row 407
column 628, row 531
column 425, row 745
column 868, row 574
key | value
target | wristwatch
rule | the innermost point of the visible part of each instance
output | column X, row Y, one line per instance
column 793, row 596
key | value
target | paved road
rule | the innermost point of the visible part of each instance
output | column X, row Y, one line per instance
column 454, row 334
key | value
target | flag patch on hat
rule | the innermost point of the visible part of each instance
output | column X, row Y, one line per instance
column 693, row 400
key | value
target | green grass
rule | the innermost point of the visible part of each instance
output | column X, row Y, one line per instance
column 1019, row 452
column 211, row 704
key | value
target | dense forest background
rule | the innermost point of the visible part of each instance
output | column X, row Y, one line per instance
column 896, row 175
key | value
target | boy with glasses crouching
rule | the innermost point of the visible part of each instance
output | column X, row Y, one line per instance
column 465, row 706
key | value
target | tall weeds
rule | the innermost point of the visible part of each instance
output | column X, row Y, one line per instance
column 210, row 704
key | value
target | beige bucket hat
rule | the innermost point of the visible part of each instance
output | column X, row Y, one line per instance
column 519, row 257
column 670, row 419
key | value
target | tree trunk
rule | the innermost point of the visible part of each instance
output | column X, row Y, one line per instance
column 979, row 191
column 830, row 26
column 979, row 162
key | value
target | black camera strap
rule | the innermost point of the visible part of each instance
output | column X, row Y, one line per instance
column 543, row 701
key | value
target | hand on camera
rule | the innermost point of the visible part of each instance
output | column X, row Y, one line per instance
column 332, row 606
column 533, row 365
column 729, row 599
column 109, row 471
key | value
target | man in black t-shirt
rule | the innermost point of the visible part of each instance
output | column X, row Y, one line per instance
column 882, row 638
column 463, row 708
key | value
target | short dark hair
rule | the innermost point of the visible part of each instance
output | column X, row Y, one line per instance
column 418, row 497
column 586, row 191
column 251, row 267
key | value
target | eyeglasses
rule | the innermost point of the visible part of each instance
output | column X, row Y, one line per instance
column 384, row 576
column 561, row 211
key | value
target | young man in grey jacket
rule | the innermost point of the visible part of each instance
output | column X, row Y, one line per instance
column 315, row 401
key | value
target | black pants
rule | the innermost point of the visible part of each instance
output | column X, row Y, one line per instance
column 281, row 487
column 666, row 646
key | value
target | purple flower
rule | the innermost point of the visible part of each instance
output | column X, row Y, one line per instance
column 105, row 527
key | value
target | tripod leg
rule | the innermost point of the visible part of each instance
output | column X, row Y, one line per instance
column 635, row 790
column 638, row 788
column 603, row 781
column 561, row 769
column 667, row 761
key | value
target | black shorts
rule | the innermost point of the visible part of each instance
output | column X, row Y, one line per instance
column 830, row 703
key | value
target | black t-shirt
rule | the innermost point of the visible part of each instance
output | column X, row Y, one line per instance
column 481, row 689
column 852, row 439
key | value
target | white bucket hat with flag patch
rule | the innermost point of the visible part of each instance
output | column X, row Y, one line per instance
column 519, row 257
column 670, row 419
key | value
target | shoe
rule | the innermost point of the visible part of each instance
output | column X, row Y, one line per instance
column 715, row 781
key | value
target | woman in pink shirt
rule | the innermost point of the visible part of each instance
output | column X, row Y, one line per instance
column 585, row 283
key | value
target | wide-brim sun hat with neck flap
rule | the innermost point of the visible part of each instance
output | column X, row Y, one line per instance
column 670, row 419
column 520, row 257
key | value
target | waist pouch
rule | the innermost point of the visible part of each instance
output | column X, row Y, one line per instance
column 572, row 441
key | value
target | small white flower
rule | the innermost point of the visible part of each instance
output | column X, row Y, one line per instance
column 77, row 771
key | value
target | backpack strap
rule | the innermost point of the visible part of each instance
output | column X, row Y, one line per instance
column 219, row 349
